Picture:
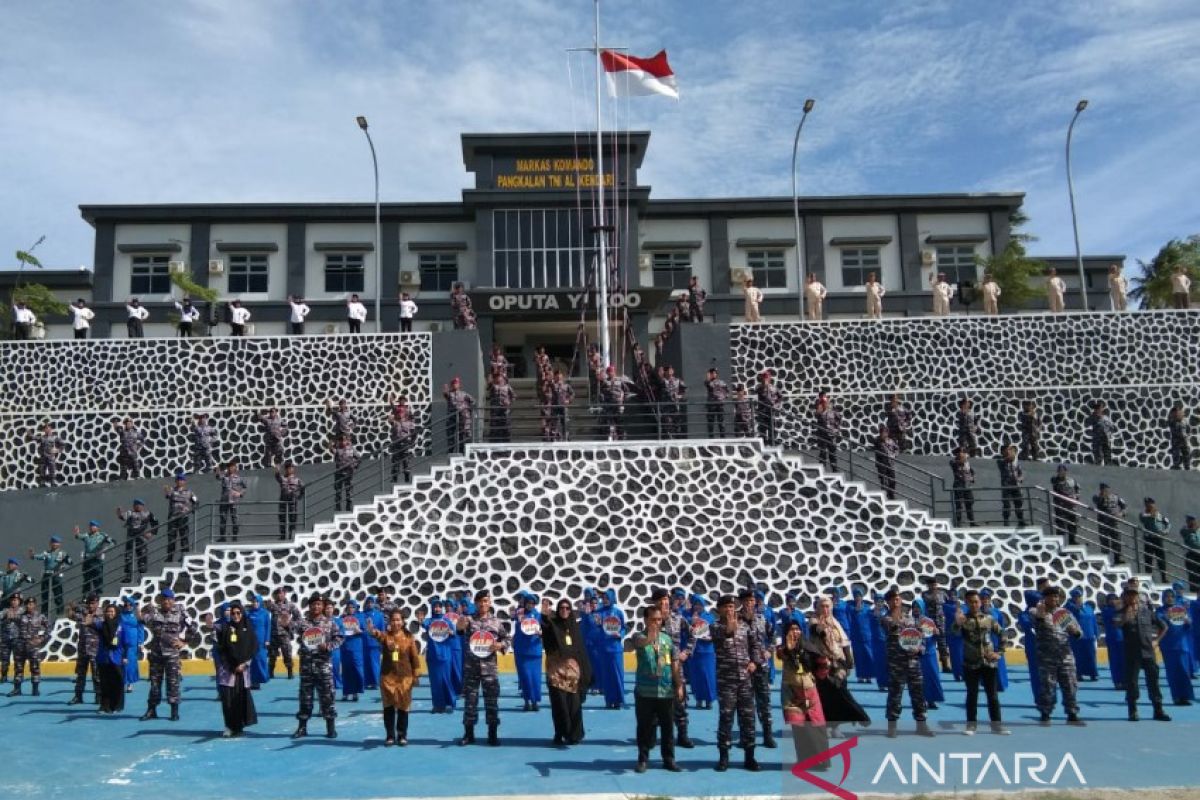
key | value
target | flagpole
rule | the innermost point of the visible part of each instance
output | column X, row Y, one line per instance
column 602, row 267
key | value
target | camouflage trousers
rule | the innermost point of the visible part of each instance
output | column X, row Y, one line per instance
column 6, row 656
column 737, row 695
column 22, row 654
column 316, row 674
column 83, row 663
column 164, row 666
column 280, row 646
column 901, row 671
column 1054, row 674
column 760, row 682
column 473, row 678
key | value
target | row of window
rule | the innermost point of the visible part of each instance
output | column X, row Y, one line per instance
column 249, row 273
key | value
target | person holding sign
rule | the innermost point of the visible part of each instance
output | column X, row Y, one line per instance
column 353, row 652
column 976, row 627
column 658, row 688
column 905, row 644
column 399, row 672
column 113, row 641
column 1174, row 646
column 318, row 636
column 700, row 664
column 486, row 635
column 612, row 660
column 527, row 647
column 441, row 642
column 1054, row 627
column 568, row 672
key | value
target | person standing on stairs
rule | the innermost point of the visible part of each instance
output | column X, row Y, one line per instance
column 460, row 408
column 716, row 396
column 1066, row 504
column 1179, row 429
column 611, row 388
column 233, row 487
column 343, row 419
column 886, row 451
column 203, row 438
column 169, row 626
column 966, row 427
column 1011, row 478
column 898, row 418
column 561, row 395
column 696, row 298
column 274, row 431
column 497, row 363
column 291, row 489
column 1110, row 508
column 500, row 401
column 962, row 495
column 345, row 462
column 768, row 408
column 827, row 431
column 1155, row 526
column 402, row 434
column 674, row 406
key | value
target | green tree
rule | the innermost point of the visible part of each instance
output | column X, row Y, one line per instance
column 1012, row 268
column 187, row 282
column 1152, row 287
column 41, row 302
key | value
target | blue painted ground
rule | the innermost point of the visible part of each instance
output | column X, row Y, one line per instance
column 54, row 750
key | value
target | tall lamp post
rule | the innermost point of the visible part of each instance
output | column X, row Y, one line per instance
column 1079, row 107
column 808, row 106
column 362, row 123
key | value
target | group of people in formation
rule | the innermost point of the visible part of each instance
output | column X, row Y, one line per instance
column 688, row 652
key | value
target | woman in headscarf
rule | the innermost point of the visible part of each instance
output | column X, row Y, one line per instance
column 1177, row 660
column 441, row 643
column 568, row 672
column 701, row 665
column 134, row 635
column 800, row 699
column 237, row 645
column 399, row 667
column 111, row 651
column 834, row 657
column 372, row 657
column 527, row 648
column 931, row 677
column 260, row 618
column 354, row 650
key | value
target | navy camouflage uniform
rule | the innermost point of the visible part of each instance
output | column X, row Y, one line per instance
column 561, row 396
column 1181, row 449
column 886, row 450
column 459, row 407
column 344, row 423
column 500, row 400
column 903, row 668
column 53, row 564
column 935, row 608
column 93, row 560
column 760, row 681
column 967, row 431
column 1056, row 663
column 716, row 395
column 345, row 461
column 899, row 424
column 1030, row 425
column 961, row 494
column 743, row 417
column 233, row 486
column 139, row 526
column 403, row 435
column 766, row 413
column 49, row 447
column 283, row 618
column 204, row 445
column 316, row 666
column 696, row 298
column 87, row 644
column 291, row 488
column 32, row 631
column 129, row 454
column 1011, row 478
column 479, row 672
column 827, row 430
column 612, row 402
column 1101, row 429
column 737, row 689
column 673, row 417
column 180, row 504
column 10, row 632
column 274, row 431
column 1066, row 513
column 169, row 631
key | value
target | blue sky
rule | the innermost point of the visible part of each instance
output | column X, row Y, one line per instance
column 254, row 100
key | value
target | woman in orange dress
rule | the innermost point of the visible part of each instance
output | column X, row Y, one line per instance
column 399, row 668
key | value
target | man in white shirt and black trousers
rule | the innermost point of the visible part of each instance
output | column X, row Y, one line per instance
column 408, row 310
column 238, row 317
column 299, row 312
column 135, row 315
column 23, row 319
column 356, row 313
column 82, row 317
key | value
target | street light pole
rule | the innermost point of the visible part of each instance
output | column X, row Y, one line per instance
column 808, row 106
column 362, row 123
column 1079, row 107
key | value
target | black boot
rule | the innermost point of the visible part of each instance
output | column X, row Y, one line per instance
column 923, row 728
column 682, row 739
column 76, row 700
column 402, row 728
column 330, row 729
column 174, row 712
column 891, row 731
column 1159, row 714
column 389, row 726
column 1133, row 714
column 151, row 713
column 301, row 730
column 768, row 738
column 16, row 690
column 493, row 736
column 723, row 761
column 751, row 764
column 37, row 690
column 468, row 735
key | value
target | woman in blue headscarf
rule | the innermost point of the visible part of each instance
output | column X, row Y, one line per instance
column 612, row 627
column 441, row 642
column 1114, row 639
column 931, row 677
column 371, row 652
column 353, row 651
column 701, row 665
column 258, row 618
column 593, row 637
column 862, row 618
column 879, row 643
column 1084, row 648
column 134, row 636
column 527, row 648
column 1027, row 625
column 1001, row 666
column 1173, row 644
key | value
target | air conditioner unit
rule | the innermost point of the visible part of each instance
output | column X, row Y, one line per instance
column 177, row 266
column 645, row 262
column 216, row 266
column 331, row 328
column 408, row 278
column 740, row 275
column 928, row 258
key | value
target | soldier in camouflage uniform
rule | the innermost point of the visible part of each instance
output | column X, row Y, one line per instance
column 291, row 489
column 140, row 526
column 500, row 400
column 1011, row 478
column 1066, row 513
column 274, row 431
column 935, row 601
column 169, row 627
column 743, row 413
column 343, row 419
column 696, row 297
column 966, row 428
column 181, row 502
column 49, row 446
column 233, row 486
column 962, row 495
column 87, row 643
column 459, row 408
column 12, row 579
column 284, row 613
column 94, row 545
column 32, row 632
column 716, row 393
column 740, row 659
column 673, row 399
column 319, row 636
column 1055, row 659
column 903, row 663
column 1030, row 424
column 402, row 433
column 345, row 462
column 760, row 680
column 129, row 453
column 1180, row 430
column 10, row 631
column 204, row 444
column 484, row 633
column 767, row 411
column 899, row 419
column 612, row 403
column 54, row 561
column 561, row 395
column 827, row 431
column 1102, row 428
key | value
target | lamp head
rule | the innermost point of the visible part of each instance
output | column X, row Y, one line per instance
column 362, row 122
column 1080, row 106
column 808, row 105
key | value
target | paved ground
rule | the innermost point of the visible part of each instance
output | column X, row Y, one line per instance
column 54, row 750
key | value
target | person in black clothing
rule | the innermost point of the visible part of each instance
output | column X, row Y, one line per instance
column 1030, row 423
column 1066, row 504
column 962, row 495
column 236, row 646
column 898, row 419
column 966, row 428
column 1011, row 478
column 766, row 413
column 886, row 450
column 1141, row 630
column 568, row 672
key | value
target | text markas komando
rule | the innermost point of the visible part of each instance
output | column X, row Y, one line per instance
column 553, row 173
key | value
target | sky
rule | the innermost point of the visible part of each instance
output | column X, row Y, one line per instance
column 254, row 101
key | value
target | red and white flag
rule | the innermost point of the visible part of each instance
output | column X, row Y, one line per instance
column 629, row 75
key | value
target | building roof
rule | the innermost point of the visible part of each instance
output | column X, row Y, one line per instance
column 78, row 278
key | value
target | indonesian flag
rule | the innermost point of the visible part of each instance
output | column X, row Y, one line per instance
column 629, row 75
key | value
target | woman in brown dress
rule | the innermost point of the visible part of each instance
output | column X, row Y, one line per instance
column 399, row 666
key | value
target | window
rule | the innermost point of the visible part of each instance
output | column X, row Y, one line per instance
column 344, row 272
column 150, row 275
column 958, row 262
column 857, row 263
column 541, row 248
column 439, row 271
column 672, row 270
column 248, row 274
column 769, row 268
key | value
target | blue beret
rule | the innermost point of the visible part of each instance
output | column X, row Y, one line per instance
column 1077, row 593
column 14, row 562
column 181, row 476
column 985, row 592
column 350, row 601
column 168, row 593
column 138, row 502
column 1104, row 486
column 678, row 593
column 54, row 539
column 93, row 523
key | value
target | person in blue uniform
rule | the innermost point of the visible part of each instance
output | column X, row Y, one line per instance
column 612, row 627
column 527, row 649
column 258, row 618
column 441, row 642
column 791, row 613
column 593, row 635
column 931, row 678
column 1189, row 642
column 335, row 655
column 371, row 659
column 862, row 619
column 1114, row 639
column 954, row 637
column 1174, row 648
column 1027, row 626
column 998, row 615
column 354, row 651
column 461, row 607
column 841, row 608
column 879, row 645
column 134, row 637
column 701, row 664
column 771, row 618
column 1085, row 646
